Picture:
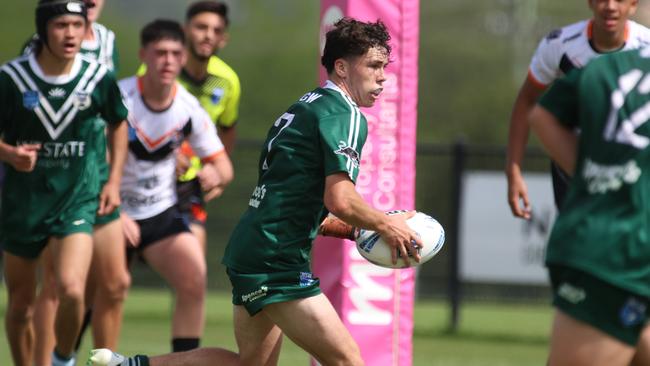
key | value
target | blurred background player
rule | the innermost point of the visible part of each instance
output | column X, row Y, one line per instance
column 307, row 167
column 217, row 88
column 162, row 114
column 50, row 100
column 598, row 254
column 109, row 280
column 562, row 50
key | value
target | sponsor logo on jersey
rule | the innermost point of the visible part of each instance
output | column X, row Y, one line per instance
column 217, row 94
column 30, row 99
column 82, row 100
column 258, row 195
column 603, row 178
column 349, row 152
column 78, row 222
column 56, row 93
column 252, row 296
column 632, row 312
column 571, row 293
column 555, row 33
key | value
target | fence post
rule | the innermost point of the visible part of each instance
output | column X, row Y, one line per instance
column 454, row 287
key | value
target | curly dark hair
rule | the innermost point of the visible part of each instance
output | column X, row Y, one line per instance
column 351, row 38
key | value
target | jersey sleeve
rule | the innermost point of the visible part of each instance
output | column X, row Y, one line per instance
column 231, row 111
column 561, row 99
column 341, row 139
column 544, row 66
column 203, row 139
column 113, row 109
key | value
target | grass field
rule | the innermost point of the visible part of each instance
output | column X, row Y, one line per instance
column 490, row 334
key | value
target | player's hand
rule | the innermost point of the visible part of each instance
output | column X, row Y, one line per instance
column 399, row 235
column 518, row 196
column 23, row 157
column 182, row 163
column 131, row 230
column 210, row 181
column 109, row 199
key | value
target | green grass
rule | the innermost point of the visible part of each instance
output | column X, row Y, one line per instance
column 490, row 334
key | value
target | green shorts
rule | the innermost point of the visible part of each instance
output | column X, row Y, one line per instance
column 105, row 219
column 79, row 221
column 619, row 313
column 256, row 290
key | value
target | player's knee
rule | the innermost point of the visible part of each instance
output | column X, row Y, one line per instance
column 20, row 310
column 194, row 289
column 115, row 289
column 71, row 291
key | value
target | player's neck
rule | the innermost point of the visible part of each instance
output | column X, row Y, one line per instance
column 90, row 33
column 157, row 96
column 341, row 84
column 53, row 65
column 605, row 41
column 196, row 68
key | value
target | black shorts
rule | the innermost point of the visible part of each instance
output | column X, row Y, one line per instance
column 190, row 201
column 165, row 224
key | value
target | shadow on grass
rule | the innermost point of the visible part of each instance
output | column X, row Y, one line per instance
column 483, row 336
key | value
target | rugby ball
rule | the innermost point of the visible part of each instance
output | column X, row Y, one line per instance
column 373, row 248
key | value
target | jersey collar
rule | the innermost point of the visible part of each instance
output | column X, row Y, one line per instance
column 590, row 30
column 55, row 79
column 329, row 84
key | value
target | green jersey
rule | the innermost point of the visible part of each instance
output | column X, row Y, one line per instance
column 59, row 113
column 604, row 227
column 319, row 135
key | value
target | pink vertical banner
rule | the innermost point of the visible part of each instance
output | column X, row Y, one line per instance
column 375, row 303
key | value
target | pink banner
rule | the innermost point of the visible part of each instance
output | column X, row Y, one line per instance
column 375, row 303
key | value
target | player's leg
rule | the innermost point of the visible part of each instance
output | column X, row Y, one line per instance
column 313, row 324
column 71, row 257
column 180, row 261
column 642, row 354
column 574, row 343
column 201, row 236
column 45, row 311
column 20, row 279
column 258, row 339
column 109, row 280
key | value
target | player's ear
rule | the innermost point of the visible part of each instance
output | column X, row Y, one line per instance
column 341, row 68
column 633, row 6
column 224, row 41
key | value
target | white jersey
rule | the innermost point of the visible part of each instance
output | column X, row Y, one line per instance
column 149, row 180
column 570, row 47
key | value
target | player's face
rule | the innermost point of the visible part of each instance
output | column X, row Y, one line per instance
column 164, row 60
column 94, row 9
column 206, row 34
column 366, row 76
column 65, row 34
column 611, row 15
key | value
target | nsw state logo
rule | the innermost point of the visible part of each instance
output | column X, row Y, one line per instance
column 30, row 99
column 217, row 94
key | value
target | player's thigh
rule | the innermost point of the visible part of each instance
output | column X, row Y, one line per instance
column 20, row 278
column 178, row 259
column 71, row 257
column 575, row 343
column 642, row 354
column 313, row 324
column 109, row 255
column 258, row 339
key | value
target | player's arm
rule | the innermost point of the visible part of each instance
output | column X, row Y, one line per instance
column 22, row 157
column 109, row 198
column 342, row 200
column 227, row 135
column 217, row 172
column 517, row 140
column 558, row 140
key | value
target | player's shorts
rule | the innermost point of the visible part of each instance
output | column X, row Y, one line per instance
column 610, row 309
column 561, row 181
column 105, row 219
column 167, row 223
column 77, row 219
column 190, row 201
column 256, row 290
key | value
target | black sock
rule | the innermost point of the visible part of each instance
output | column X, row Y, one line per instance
column 139, row 360
column 184, row 344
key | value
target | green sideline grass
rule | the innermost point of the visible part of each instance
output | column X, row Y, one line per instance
column 490, row 334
